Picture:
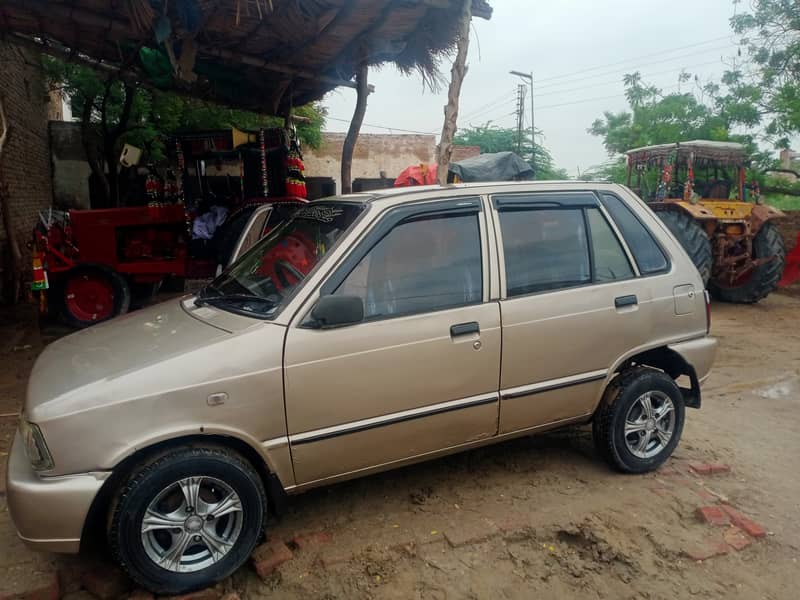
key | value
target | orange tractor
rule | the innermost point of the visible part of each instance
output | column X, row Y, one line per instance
column 699, row 191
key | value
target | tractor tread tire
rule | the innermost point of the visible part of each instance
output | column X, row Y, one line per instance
column 693, row 239
column 767, row 242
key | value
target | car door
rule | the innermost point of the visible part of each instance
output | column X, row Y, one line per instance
column 571, row 305
column 421, row 372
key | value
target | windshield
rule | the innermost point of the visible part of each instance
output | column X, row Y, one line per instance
column 262, row 280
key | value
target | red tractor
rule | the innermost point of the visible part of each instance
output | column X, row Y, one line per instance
column 231, row 189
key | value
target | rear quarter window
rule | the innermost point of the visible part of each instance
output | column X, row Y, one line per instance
column 648, row 254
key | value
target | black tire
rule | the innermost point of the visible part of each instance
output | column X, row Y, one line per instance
column 121, row 294
column 149, row 480
column 608, row 427
column 764, row 279
column 693, row 239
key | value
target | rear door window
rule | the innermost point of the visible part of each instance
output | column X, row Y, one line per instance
column 649, row 256
column 610, row 261
column 544, row 249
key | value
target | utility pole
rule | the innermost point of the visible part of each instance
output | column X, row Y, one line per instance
column 520, row 115
column 529, row 78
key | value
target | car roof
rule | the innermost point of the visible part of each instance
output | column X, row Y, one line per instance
column 401, row 195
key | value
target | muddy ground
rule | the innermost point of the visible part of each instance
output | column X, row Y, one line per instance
column 540, row 516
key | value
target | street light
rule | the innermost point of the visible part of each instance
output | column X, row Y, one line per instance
column 529, row 78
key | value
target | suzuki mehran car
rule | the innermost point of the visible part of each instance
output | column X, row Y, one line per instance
column 368, row 331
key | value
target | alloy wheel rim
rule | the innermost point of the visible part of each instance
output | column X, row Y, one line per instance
column 192, row 524
column 649, row 424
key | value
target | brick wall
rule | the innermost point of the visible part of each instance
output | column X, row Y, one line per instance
column 25, row 163
column 373, row 154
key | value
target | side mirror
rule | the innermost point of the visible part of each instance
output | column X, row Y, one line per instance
column 335, row 311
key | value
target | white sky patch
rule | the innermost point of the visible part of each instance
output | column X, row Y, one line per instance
column 579, row 51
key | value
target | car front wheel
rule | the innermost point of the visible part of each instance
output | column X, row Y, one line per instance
column 640, row 425
column 187, row 519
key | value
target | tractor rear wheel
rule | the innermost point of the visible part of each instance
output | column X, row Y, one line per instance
column 761, row 281
column 693, row 239
column 92, row 294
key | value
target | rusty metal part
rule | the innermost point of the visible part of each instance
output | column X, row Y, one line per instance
column 762, row 213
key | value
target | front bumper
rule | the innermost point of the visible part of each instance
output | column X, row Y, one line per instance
column 48, row 512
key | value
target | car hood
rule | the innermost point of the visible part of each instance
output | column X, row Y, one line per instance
column 71, row 372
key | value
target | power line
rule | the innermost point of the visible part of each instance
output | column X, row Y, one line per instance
column 596, row 98
column 617, row 80
column 505, row 96
column 637, row 66
column 619, row 62
column 384, row 127
column 492, row 110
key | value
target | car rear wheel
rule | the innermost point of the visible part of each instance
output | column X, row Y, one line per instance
column 638, row 428
column 187, row 519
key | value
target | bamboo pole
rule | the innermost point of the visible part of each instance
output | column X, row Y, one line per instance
column 457, row 74
column 5, row 209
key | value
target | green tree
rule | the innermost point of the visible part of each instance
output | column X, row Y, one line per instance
column 491, row 138
column 113, row 112
column 771, row 34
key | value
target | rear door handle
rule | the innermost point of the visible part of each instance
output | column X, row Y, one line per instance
column 622, row 301
column 464, row 329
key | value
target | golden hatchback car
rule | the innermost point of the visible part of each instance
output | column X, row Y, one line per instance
column 368, row 331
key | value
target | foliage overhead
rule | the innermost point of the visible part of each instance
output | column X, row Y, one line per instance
column 491, row 138
column 770, row 31
column 712, row 112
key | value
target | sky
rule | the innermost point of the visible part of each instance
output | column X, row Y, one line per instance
column 578, row 50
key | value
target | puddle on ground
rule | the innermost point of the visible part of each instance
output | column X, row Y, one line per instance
column 780, row 390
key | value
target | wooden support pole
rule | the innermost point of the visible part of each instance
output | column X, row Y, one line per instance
column 457, row 74
column 362, row 92
column 5, row 209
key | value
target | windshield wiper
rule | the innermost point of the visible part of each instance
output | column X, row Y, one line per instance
column 231, row 297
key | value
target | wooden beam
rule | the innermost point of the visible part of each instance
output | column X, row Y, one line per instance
column 457, row 74
column 355, row 127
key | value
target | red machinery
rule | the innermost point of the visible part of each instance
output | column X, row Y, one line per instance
column 86, row 262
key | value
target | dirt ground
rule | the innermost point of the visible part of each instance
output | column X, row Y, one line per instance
column 540, row 516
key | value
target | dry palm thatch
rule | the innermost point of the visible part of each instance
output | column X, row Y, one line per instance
column 264, row 55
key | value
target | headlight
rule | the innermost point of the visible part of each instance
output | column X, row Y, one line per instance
column 35, row 448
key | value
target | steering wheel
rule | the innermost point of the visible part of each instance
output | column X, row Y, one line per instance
column 283, row 269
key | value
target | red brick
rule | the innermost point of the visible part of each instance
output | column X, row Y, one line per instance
column 268, row 557
column 736, row 539
column 231, row 596
column 700, row 468
column 140, row 595
column 749, row 526
column 706, row 496
column 306, row 541
column 661, row 490
column 717, row 468
column 105, row 582
column 713, row 515
column 30, row 586
column 707, row 549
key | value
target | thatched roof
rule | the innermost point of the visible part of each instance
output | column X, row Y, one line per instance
column 265, row 55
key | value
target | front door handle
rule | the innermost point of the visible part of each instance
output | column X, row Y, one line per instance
column 464, row 329
column 622, row 301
